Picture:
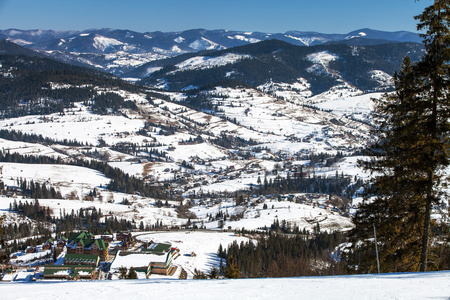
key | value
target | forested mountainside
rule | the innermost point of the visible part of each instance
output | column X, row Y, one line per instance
column 33, row 84
column 256, row 64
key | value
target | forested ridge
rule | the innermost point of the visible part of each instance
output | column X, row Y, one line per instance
column 34, row 85
column 282, row 62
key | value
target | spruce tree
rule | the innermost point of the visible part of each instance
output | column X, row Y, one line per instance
column 410, row 155
column 232, row 269
column 132, row 274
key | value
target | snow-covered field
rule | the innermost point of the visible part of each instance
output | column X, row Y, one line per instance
column 406, row 286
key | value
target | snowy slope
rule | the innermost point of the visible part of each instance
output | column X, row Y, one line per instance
column 433, row 285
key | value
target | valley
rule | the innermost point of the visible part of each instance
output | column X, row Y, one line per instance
column 196, row 150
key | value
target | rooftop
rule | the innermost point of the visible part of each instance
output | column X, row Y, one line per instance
column 158, row 248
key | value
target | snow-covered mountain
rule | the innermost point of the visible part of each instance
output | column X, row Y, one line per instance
column 320, row 68
column 117, row 51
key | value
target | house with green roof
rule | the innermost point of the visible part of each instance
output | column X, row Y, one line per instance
column 76, row 236
column 81, row 259
column 48, row 244
column 86, row 243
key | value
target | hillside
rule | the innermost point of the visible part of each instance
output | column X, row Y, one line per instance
column 321, row 67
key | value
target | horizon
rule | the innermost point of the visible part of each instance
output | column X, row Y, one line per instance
column 265, row 16
column 193, row 29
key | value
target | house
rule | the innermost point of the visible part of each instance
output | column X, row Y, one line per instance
column 31, row 249
column 61, row 242
column 124, row 236
column 81, row 259
column 163, row 255
column 107, row 237
column 156, row 259
column 69, row 272
column 48, row 245
column 85, row 243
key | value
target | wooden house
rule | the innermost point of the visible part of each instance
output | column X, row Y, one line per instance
column 124, row 236
column 61, row 242
column 48, row 245
column 85, row 243
column 31, row 249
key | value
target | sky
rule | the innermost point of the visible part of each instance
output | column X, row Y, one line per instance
column 271, row 16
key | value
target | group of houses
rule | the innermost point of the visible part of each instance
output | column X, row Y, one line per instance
column 87, row 257
column 85, row 253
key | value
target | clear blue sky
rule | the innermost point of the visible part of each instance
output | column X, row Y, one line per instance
column 273, row 16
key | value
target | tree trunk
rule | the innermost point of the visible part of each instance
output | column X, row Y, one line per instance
column 425, row 235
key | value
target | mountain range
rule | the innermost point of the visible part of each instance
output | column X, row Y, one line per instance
column 120, row 51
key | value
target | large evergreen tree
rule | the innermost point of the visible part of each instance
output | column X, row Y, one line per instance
column 411, row 155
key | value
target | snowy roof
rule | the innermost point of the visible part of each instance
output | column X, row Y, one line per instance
column 157, row 248
column 136, row 260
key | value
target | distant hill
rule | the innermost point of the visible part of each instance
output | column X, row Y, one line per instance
column 322, row 66
column 119, row 51
column 33, row 84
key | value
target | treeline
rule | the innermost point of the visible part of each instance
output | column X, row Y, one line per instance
column 339, row 185
column 84, row 219
column 231, row 141
column 35, row 190
column 14, row 135
column 103, row 103
column 280, row 255
column 120, row 181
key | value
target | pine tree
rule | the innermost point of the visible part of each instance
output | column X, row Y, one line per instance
column 132, row 274
column 123, row 273
column 410, row 155
column 232, row 269
column 434, row 67
column 4, row 255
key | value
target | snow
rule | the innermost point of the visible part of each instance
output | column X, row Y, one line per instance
column 321, row 61
column 384, row 79
column 204, row 44
column 298, row 39
column 432, row 285
column 31, row 149
column 102, row 43
column 202, row 62
column 64, row 178
column 179, row 39
column 151, row 70
column 135, row 260
column 243, row 38
column 203, row 244
column 78, row 124
column 360, row 107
